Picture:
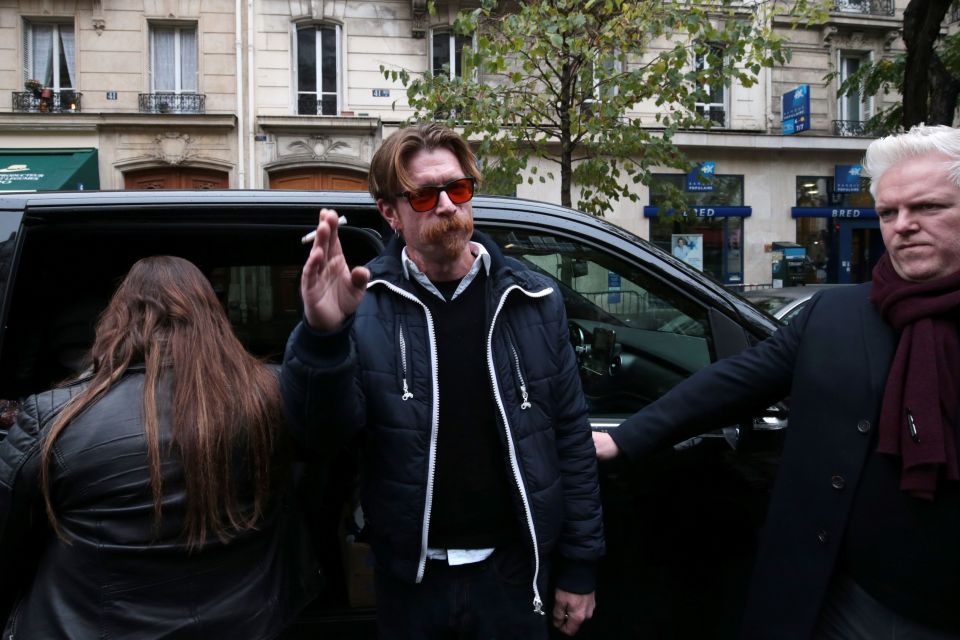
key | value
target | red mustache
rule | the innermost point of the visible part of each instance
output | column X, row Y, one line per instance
column 450, row 233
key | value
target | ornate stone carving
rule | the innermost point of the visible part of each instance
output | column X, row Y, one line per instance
column 418, row 17
column 318, row 146
column 312, row 9
column 99, row 24
column 827, row 35
column 173, row 148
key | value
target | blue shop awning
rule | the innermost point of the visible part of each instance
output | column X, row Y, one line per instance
column 706, row 211
column 48, row 169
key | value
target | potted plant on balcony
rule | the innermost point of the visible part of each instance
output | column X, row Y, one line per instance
column 46, row 93
column 33, row 86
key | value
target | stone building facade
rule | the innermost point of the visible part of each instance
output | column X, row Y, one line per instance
column 289, row 94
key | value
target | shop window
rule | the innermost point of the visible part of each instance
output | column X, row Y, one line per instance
column 173, row 59
column 49, row 54
column 713, row 103
column 710, row 243
column 318, row 70
column 447, row 52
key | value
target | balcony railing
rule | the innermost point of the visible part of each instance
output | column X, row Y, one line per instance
column 851, row 128
column 865, row 7
column 57, row 102
column 717, row 114
column 309, row 105
column 172, row 102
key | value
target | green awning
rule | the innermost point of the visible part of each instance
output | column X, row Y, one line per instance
column 48, row 169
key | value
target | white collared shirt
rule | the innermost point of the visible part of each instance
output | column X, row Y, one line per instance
column 412, row 271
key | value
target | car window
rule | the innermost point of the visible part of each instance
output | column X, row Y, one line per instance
column 635, row 335
column 254, row 271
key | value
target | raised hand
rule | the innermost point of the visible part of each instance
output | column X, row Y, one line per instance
column 330, row 290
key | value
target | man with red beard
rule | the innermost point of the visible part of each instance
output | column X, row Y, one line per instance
column 480, row 484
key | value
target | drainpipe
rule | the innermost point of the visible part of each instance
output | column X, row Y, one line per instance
column 251, row 86
column 241, row 120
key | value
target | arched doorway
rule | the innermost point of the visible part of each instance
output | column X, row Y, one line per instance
column 320, row 179
column 176, row 178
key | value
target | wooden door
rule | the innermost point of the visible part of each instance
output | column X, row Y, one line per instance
column 176, row 178
column 319, row 179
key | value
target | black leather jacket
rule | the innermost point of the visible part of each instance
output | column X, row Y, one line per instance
column 117, row 578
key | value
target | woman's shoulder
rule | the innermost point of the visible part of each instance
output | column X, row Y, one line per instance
column 37, row 410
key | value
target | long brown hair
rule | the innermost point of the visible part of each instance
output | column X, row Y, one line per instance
column 226, row 409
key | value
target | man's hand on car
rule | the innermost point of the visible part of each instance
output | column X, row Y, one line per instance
column 607, row 449
column 330, row 290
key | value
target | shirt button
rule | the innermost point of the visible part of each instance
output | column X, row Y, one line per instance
column 822, row 536
column 863, row 426
column 837, row 482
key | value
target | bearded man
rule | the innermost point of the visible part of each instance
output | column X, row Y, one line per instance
column 479, row 473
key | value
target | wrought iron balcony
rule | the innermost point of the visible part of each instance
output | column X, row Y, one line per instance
column 717, row 114
column 56, row 102
column 172, row 102
column 865, row 7
column 851, row 128
column 309, row 105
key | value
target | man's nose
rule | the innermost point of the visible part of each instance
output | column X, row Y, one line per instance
column 905, row 221
column 445, row 204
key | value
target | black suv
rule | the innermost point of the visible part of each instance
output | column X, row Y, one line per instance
column 681, row 528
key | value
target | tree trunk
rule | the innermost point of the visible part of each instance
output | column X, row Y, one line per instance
column 944, row 93
column 921, row 29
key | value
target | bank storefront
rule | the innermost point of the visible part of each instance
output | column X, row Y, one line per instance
column 838, row 225
column 710, row 235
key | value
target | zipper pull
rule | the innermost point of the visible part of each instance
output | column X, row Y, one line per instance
column 538, row 606
column 526, row 398
column 406, row 391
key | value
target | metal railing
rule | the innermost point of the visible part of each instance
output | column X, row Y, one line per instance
column 309, row 105
column 851, row 128
column 717, row 114
column 172, row 102
column 865, row 7
column 57, row 102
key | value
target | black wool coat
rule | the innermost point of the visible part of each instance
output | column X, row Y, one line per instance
column 832, row 360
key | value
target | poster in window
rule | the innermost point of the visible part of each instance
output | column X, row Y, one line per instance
column 689, row 248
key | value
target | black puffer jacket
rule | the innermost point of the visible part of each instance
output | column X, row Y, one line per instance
column 378, row 373
column 116, row 579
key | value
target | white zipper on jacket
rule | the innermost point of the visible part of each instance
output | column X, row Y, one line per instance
column 403, row 365
column 523, row 385
column 511, row 447
column 434, row 421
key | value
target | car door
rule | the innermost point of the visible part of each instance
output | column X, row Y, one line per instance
column 682, row 526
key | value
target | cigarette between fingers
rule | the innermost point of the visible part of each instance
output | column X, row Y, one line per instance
column 307, row 239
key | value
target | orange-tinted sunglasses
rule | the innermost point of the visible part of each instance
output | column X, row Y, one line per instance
column 426, row 198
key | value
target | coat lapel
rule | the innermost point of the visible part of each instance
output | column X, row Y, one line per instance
column 880, row 344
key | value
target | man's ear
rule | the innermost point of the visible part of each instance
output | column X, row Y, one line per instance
column 389, row 212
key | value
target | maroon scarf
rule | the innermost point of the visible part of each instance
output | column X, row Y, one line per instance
column 919, row 413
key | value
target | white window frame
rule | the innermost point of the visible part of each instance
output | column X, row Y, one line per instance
column 318, row 64
column 178, row 29
column 700, row 62
column 866, row 102
column 28, row 36
column 614, row 62
column 452, row 44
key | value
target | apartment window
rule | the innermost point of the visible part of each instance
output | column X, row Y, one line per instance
column 597, row 85
column 173, row 59
column 50, row 54
column 855, row 108
column 318, row 70
column 446, row 53
column 714, row 101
